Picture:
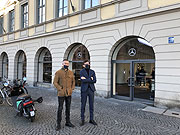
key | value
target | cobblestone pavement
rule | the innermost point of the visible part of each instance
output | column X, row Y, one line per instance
column 114, row 117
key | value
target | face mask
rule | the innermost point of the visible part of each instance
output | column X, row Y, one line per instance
column 87, row 66
column 66, row 67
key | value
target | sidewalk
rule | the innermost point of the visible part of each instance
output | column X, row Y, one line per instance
column 114, row 117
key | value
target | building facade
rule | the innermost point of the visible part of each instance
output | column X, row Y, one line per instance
column 133, row 45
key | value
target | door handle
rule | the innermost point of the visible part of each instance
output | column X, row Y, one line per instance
column 129, row 79
column 131, row 82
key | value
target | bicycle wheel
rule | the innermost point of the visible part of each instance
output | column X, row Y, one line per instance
column 1, row 98
column 8, row 99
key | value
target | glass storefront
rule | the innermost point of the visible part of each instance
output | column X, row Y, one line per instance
column 134, row 70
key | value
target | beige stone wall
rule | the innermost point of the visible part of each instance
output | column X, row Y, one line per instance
column 49, row 10
column 17, row 35
column 105, row 1
column 5, row 38
column 74, row 21
column 49, row 27
column 31, row 31
column 107, row 12
column 161, row 3
column 31, row 12
column 17, row 16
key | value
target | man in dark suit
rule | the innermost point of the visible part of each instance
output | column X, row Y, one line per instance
column 88, row 78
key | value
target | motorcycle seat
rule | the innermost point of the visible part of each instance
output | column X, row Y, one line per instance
column 23, row 97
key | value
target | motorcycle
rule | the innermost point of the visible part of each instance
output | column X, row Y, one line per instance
column 23, row 102
column 21, row 84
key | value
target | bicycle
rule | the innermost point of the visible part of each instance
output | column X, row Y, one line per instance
column 5, row 91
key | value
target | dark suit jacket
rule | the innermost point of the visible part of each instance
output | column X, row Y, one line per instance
column 88, row 81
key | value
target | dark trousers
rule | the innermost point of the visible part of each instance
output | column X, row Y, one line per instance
column 60, row 108
column 90, row 94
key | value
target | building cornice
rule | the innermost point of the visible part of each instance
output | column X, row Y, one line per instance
column 97, row 23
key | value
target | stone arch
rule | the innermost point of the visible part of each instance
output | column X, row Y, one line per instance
column 43, row 59
column 125, row 66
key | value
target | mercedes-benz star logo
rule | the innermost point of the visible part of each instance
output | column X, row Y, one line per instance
column 79, row 54
column 132, row 52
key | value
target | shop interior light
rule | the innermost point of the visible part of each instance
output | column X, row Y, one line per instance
column 144, row 42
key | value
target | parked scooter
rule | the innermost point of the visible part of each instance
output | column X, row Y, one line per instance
column 23, row 103
column 21, row 83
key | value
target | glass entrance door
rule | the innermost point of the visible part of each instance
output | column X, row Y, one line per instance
column 144, row 80
column 122, row 79
column 134, row 79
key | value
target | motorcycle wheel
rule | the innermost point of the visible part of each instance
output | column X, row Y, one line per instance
column 32, row 118
column 25, row 90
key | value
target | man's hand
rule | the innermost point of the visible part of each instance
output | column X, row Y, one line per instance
column 91, row 78
column 83, row 77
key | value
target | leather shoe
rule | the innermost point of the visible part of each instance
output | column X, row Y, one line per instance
column 58, row 127
column 82, row 123
column 93, row 122
column 69, row 124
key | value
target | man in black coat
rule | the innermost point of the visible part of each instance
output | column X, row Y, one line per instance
column 88, row 78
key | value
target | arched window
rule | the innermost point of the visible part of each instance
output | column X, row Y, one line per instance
column 77, row 55
column 44, row 66
column 4, row 65
column 21, row 65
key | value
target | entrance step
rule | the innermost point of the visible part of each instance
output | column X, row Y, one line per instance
column 166, row 112
column 154, row 110
column 172, row 113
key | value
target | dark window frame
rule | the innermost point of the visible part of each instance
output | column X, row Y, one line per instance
column 11, row 20
column 41, row 5
column 91, row 4
column 25, row 15
column 63, row 8
column 1, row 25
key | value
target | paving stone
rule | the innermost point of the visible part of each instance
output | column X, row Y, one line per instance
column 114, row 117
